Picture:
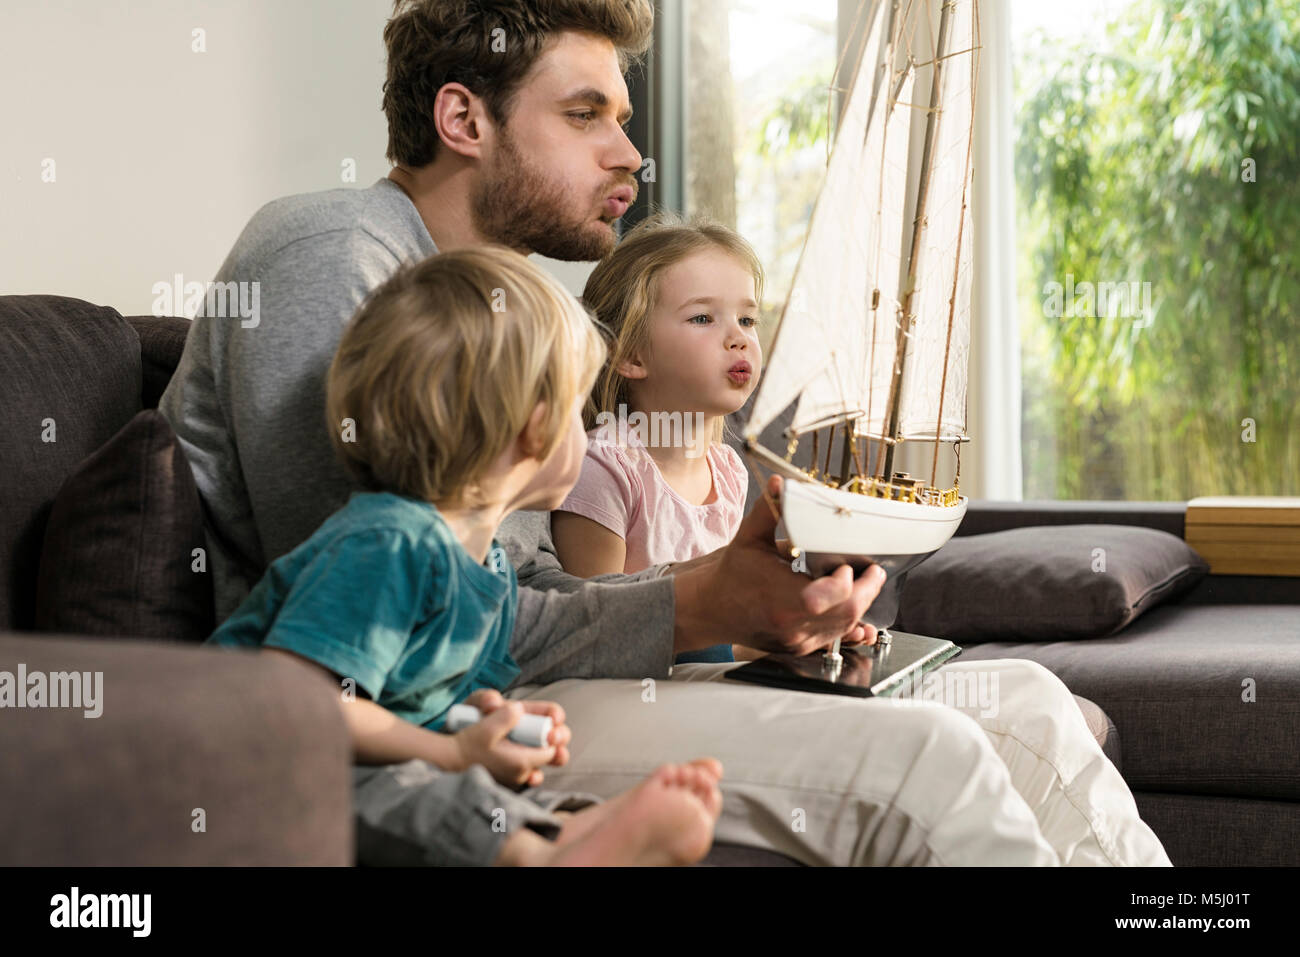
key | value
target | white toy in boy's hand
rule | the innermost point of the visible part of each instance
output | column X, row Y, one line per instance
column 533, row 730
column 487, row 742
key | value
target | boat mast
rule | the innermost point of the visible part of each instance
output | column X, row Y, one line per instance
column 922, row 192
column 956, row 273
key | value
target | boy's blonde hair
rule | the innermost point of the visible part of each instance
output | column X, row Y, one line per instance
column 624, row 287
column 443, row 365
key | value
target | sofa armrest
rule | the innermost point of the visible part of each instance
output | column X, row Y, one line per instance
column 198, row 756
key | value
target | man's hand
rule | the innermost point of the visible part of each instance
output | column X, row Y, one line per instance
column 747, row 593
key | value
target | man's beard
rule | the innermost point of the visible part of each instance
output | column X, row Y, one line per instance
column 517, row 206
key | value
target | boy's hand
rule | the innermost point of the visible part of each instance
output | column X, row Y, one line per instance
column 487, row 701
column 514, row 765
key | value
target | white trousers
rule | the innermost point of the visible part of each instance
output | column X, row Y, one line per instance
column 987, row 763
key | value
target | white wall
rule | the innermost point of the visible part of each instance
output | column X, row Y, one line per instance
column 160, row 153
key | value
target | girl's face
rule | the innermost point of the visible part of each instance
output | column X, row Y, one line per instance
column 703, row 353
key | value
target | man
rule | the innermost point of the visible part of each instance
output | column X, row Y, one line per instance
column 506, row 124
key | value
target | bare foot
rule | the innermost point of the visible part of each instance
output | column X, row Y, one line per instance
column 666, row 819
column 699, row 776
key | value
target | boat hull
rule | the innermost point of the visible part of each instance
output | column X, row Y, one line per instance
column 832, row 528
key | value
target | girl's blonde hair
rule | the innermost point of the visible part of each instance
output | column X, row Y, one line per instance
column 623, row 289
column 442, row 366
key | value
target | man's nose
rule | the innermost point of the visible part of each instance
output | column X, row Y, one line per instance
column 626, row 156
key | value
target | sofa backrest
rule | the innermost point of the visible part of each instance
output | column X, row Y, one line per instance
column 70, row 377
column 984, row 516
column 162, row 340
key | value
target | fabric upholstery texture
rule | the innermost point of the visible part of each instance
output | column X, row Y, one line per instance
column 69, row 379
column 1206, row 697
column 120, row 546
column 258, row 745
column 1046, row 583
column 162, row 340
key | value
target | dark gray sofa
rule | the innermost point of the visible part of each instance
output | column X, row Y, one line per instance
column 198, row 756
column 1217, row 778
column 262, row 751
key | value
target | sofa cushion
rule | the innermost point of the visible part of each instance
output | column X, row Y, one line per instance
column 1206, row 697
column 119, row 556
column 69, row 379
column 162, row 340
column 1199, row 830
column 1046, row 583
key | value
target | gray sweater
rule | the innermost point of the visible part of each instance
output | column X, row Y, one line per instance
column 247, row 403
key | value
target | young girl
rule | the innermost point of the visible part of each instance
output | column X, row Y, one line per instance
column 455, row 398
column 658, row 484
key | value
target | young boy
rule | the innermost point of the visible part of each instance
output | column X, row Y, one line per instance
column 455, row 398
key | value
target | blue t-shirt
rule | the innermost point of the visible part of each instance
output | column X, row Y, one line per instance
column 384, row 593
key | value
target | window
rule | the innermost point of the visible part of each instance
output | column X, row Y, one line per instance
column 1158, row 268
column 745, row 108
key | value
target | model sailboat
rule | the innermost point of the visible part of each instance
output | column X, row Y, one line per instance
column 874, row 338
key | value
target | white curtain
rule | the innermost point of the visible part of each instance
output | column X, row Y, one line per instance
column 993, row 455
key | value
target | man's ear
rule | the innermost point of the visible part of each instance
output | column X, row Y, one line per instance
column 461, row 120
column 533, row 439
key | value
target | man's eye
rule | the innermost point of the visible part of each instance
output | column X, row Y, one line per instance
column 586, row 115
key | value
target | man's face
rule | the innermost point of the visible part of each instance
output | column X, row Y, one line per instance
column 562, row 169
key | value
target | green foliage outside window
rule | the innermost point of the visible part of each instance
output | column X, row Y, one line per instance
column 1169, row 155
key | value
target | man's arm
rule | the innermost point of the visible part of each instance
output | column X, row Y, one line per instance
column 632, row 626
column 614, row 626
column 599, row 631
column 748, row 594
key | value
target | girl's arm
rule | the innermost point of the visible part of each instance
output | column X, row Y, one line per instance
column 586, row 548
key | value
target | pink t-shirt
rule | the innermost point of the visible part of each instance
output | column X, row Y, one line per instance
column 622, row 489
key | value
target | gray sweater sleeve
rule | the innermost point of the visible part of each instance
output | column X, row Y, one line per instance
column 614, row 626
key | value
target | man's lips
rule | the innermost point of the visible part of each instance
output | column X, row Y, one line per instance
column 740, row 372
column 617, row 202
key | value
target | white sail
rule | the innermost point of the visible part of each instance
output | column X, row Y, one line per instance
column 877, row 367
column 863, row 261
column 937, row 358
column 817, row 355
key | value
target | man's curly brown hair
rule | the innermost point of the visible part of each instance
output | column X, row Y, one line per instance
column 489, row 46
